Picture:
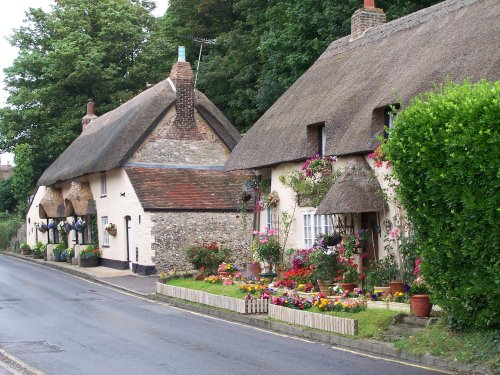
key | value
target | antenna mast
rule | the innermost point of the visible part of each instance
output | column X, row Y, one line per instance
column 201, row 40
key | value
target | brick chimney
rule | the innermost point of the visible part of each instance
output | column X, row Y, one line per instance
column 183, row 79
column 89, row 116
column 366, row 17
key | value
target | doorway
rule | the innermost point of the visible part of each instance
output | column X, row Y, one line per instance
column 369, row 220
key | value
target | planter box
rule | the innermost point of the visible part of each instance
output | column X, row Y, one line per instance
column 398, row 306
column 91, row 262
column 241, row 306
column 323, row 322
column 377, row 304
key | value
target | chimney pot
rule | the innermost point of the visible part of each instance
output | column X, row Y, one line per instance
column 365, row 18
column 369, row 3
column 90, row 114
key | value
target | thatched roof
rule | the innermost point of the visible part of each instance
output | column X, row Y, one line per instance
column 108, row 141
column 52, row 205
column 187, row 189
column 357, row 190
column 350, row 80
column 80, row 198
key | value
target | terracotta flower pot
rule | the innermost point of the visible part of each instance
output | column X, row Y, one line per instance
column 225, row 273
column 324, row 286
column 253, row 269
column 347, row 287
column 396, row 286
column 420, row 305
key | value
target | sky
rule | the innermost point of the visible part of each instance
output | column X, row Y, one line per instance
column 11, row 17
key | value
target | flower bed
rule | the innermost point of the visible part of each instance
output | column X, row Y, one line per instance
column 248, row 306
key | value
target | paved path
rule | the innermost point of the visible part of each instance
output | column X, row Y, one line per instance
column 64, row 325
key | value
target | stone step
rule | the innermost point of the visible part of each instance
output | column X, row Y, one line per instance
column 387, row 337
column 404, row 330
column 417, row 322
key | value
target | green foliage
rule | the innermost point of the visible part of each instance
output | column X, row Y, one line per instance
column 381, row 272
column 80, row 49
column 39, row 248
column 94, row 231
column 9, row 224
column 23, row 177
column 477, row 347
column 325, row 264
column 444, row 149
column 7, row 200
column 208, row 257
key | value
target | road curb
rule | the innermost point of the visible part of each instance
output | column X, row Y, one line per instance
column 367, row 346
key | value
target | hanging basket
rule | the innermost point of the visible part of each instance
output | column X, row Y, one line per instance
column 112, row 231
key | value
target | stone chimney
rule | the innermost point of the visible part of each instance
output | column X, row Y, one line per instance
column 183, row 79
column 366, row 17
column 89, row 116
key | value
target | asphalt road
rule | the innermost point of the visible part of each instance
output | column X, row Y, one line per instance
column 60, row 324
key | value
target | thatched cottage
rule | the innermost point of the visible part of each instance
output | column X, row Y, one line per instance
column 153, row 167
column 341, row 103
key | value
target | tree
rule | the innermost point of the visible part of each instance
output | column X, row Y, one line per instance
column 23, row 176
column 444, row 148
column 81, row 49
column 7, row 200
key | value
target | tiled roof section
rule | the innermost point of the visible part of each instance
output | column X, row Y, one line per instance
column 187, row 189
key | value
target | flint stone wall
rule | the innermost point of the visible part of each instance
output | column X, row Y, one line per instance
column 174, row 231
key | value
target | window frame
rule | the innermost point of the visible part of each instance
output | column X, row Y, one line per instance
column 312, row 226
column 104, row 185
column 105, row 234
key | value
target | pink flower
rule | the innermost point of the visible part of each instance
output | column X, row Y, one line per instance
column 272, row 232
column 394, row 233
column 255, row 232
column 264, row 240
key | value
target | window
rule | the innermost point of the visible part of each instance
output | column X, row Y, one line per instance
column 269, row 218
column 316, row 139
column 104, row 188
column 313, row 226
column 321, row 140
column 105, row 234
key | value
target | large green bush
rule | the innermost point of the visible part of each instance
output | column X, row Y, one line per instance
column 445, row 152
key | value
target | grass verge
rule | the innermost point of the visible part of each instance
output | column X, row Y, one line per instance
column 370, row 322
column 469, row 347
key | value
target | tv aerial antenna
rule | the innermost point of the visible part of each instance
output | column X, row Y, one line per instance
column 202, row 40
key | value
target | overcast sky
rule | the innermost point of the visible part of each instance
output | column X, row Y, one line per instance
column 12, row 16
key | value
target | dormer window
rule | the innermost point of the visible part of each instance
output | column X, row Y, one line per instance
column 104, row 188
column 316, row 139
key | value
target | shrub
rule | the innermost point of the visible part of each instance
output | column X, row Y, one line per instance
column 208, row 257
column 444, row 152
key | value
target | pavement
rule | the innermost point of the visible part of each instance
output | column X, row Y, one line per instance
column 145, row 286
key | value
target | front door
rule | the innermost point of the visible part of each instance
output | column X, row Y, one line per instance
column 369, row 220
column 130, row 253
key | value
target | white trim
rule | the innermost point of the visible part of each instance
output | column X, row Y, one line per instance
column 105, row 234
column 171, row 84
column 312, row 226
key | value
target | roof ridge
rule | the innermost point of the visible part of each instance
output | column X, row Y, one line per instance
column 385, row 30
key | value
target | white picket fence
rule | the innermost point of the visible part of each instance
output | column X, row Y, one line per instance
column 313, row 320
column 241, row 306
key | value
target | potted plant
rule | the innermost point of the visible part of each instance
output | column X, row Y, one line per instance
column 207, row 257
column 39, row 250
column 420, row 303
column 59, row 253
column 349, row 277
column 329, row 239
column 266, row 248
column 42, row 227
column 111, row 229
column 353, row 243
column 89, row 256
column 381, row 272
column 326, row 267
column 80, row 225
column 162, row 277
column 25, row 248
column 227, row 269
column 69, row 253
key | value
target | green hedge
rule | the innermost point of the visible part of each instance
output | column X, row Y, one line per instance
column 445, row 151
column 9, row 225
